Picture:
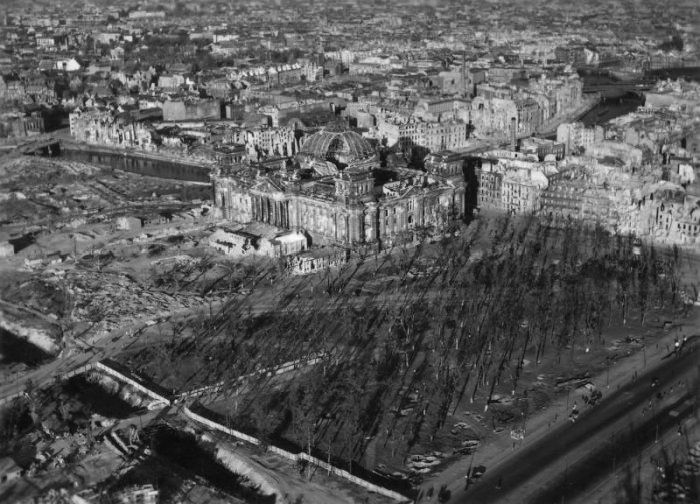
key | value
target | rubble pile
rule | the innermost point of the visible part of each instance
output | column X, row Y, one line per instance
column 108, row 299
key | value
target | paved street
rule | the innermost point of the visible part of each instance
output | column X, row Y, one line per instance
column 568, row 459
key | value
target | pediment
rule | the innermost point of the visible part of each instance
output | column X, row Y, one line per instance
column 411, row 191
column 267, row 186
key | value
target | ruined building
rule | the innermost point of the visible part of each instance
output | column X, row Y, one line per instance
column 102, row 127
column 339, row 194
column 511, row 182
column 431, row 135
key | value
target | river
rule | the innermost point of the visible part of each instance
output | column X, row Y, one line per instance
column 610, row 108
column 163, row 168
column 621, row 101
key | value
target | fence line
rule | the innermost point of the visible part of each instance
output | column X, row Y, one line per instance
column 295, row 457
column 130, row 381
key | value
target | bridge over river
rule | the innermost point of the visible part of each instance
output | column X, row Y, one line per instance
column 618, row 88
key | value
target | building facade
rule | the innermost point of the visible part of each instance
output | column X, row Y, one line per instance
column 102, row 127
column 336, row 196
column 432, row 135
column 511, row 182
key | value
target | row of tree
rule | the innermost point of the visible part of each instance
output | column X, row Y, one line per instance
column 404, row 358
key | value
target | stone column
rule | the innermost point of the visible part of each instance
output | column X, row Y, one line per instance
column 381, row 231
column 360, row 216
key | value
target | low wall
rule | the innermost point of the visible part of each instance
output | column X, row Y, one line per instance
column 130, row 381
column 295, row 457
column 241, row 466
column 77, row 371
column 104, row 368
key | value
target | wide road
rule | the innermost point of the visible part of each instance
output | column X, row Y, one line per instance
column 581, row 475
column 543, row 472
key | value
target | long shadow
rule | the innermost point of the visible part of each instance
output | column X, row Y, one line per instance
column 581, row 475
column 183, row 449
column 15, row 349
column 525, row 464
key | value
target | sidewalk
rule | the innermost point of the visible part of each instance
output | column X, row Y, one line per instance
column 491, row 454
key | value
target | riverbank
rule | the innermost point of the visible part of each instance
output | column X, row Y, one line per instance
column 158, row 155
column 550, row 129
column 35, row 331
column 154, row 164
column 610, row 108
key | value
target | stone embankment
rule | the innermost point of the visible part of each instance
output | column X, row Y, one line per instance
column 37, row 337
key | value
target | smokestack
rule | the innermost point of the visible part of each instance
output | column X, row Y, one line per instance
column 513, row 139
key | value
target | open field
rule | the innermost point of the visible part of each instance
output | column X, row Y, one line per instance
column 511, row 314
